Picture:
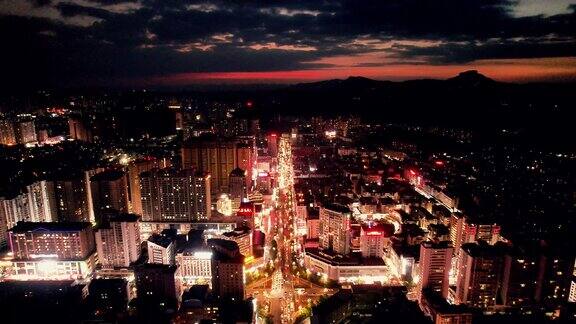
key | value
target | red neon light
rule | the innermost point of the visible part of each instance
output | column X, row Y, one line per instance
column 439, row 163
column 249, row 104
column 412, row 172
column 374, row 233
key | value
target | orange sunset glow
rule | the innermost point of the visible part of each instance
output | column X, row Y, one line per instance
column 522, row 70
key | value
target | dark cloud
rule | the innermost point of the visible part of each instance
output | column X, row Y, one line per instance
column 132, row 39
column 40, row 3
column 471, row 51
column 68, row 9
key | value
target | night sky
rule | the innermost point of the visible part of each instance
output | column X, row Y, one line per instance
column 52, row 43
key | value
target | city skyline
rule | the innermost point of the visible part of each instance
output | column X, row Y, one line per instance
column 287, row 161
column 171, row 43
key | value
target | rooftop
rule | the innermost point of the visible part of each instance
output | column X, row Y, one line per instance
column 238, row 173
column 22, row 227
column 337, row 208
column 353, row 259
column 382, row 228
column 169, row 269
column 483, row 249
column 437, row 245
column 161, row 240
column 173, row 173
column 109, row 175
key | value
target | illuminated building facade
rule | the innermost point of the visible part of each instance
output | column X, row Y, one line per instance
column 218, row 158
column 441, row 312
column 161, row 249
column 237, row 184
column 374, row 239
column 334, row 230
column 109, row 190
column 7, row 136
column 312, row 225
column 354, row 269
column 72, row 201
column 242, row 237
column 405, row 260
column 480, row 269
column 558, row 272
column 118, row 241
column 435, row 263
column 463, row 230
column 572, row 292
column 195, row 266
column 134, row 169
column 175, row 196
column 36, row 204
column 52, row 250
column 77, row 130
column 272, row 142
column 26, row 132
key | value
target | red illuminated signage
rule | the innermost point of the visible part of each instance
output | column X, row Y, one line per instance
column 246, row 210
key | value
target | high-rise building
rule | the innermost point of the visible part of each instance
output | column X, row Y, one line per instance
column 312, row 223
column 272, row 140
column 227, row 269
column 71, row 194
column 157, row 283
column 246, row 158
column 195, row 265
column 3, row 228
column 435, row 263
column 110, row 294
column 118, row 241
column 375, row 239
column 43, row 200
column 480, row 269
column 464, row 230
column 558, row 271
column 161, row 249
column 175, row 196
column 109, row 191
column 134, row 169
column 7, row 135
column 16, row 208
column 237, row 184
column 572, row 292
column 35, row 204
column 441, row 312
column 87, row 175
column 243, row 237
column 218, row 158
column 26, row 132
column 52, row 250
column 334, row 231
column 523, row 276
column 78, row 130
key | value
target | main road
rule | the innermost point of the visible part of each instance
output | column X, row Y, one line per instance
column 283, row 293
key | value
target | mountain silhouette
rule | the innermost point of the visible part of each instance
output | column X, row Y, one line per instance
column 468, row 98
